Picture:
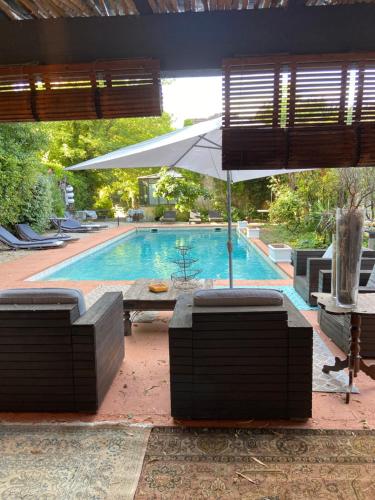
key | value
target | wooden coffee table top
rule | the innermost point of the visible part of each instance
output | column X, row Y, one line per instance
column 139, row 292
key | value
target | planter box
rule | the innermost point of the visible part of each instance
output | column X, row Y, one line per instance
column 253, row 232
column 279, row 252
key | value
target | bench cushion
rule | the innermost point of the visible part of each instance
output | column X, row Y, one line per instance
column 238, row 297
column 44, row 296
column 328, row 253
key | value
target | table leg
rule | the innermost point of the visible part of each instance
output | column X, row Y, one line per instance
column 127, row 324
column 354, row 358
column 59, row 233
column 340, row 364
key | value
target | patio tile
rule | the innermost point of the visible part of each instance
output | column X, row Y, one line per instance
column 140, row 392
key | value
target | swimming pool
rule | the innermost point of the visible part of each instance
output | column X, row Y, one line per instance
column 147, row 254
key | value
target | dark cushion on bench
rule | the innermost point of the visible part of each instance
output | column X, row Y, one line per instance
column 238, row 297
column 44, row 296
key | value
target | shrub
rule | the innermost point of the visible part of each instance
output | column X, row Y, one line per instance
column 37, row 209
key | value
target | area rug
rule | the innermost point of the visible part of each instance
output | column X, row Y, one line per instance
column 258, row 464
column 45, row 462
column 327, row 382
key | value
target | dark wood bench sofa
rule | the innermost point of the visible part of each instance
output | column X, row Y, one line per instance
column 53, row 358
column 240, row 362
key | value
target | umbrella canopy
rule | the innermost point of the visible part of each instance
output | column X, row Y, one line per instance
column 196, row 148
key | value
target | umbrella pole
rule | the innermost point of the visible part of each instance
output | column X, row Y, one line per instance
column 229, row 241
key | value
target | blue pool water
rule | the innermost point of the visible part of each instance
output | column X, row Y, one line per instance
column 144, row 254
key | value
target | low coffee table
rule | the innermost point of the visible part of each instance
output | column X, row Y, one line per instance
column 139, row 298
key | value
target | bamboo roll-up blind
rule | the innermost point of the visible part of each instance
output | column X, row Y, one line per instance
column 104, row 89
column 308, row 111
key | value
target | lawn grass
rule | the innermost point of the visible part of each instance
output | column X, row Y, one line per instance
column 278, row 233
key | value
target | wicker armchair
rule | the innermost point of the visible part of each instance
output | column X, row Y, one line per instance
column 307, row 267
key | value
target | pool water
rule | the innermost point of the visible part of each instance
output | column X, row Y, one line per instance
column 145, row 254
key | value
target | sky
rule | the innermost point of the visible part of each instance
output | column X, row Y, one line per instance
column 192, row 98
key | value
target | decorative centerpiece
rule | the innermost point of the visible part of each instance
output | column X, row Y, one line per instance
column 158, row 287
column 333, row 270
column 349, row 235
column 185, row 277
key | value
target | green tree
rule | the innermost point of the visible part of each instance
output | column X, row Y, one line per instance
column 37, row 209
column 20, row 168
column 185, row 190
column 76, row 141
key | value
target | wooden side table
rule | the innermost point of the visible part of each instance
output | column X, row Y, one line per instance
column 353, row 361
column 139, row 298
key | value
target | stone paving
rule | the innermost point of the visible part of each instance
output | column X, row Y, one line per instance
column 140, row 392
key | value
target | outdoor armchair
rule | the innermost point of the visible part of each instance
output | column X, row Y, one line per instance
column 215, row 216
column 14, row 243
column 195, row 217
column 307, row 266
column 54, row 354
column 337, row 327
column 239, row 358
column 169, row 216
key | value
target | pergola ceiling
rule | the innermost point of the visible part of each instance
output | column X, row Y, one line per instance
column 19, row 10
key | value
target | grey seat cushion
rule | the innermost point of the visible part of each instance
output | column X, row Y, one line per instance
column 238, row 297
column 44, row 296
column 371, row 280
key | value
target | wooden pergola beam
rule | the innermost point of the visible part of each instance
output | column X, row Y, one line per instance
column 191, row 43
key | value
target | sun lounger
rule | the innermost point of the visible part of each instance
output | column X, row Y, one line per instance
column 27, row 233
column 169, row 216
column 13, row 242
column 69, row 225
column 195, row 217
column 215, row 216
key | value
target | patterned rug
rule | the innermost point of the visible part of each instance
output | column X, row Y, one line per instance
column 257, row 464
column 43, row 462
column 327, row 382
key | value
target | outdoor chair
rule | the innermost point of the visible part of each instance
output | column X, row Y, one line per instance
column 169, row 216
column 215, row 216
column 14, row 243
column 195, row 218
column 307, row 265
column 27, row 233
column 337, row 327
column 55, row 355
column 239, row 354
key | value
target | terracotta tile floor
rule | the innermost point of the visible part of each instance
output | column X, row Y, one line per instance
column 140, row 392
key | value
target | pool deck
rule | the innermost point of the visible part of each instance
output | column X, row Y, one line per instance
column 140, row 392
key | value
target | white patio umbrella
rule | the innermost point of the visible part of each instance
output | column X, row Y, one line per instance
column 196, row 148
